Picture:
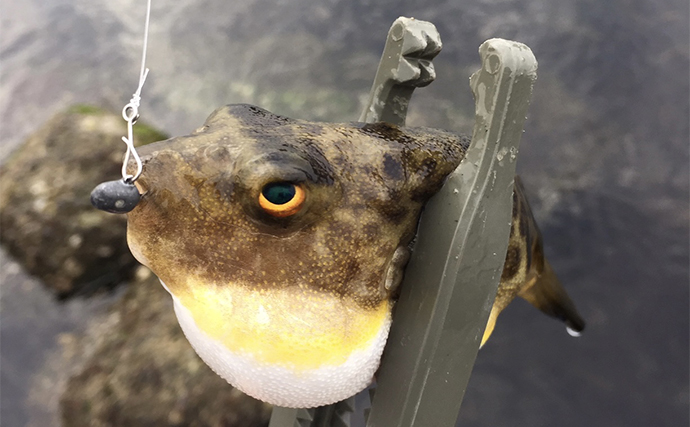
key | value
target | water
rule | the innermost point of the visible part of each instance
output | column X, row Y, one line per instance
column 35, row 330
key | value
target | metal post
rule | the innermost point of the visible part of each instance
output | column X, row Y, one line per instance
column 451, row 281
column 453, row 275
column 405, row 65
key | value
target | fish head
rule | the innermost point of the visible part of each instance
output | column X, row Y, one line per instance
column 282, row 243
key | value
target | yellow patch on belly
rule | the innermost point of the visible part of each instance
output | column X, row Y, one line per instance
column 297, row 328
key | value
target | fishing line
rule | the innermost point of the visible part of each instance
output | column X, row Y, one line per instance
column 121, row 196
column 130, row 112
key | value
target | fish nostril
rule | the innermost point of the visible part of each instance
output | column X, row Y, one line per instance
column 117, row 196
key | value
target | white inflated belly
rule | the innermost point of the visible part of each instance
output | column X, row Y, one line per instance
column 280, row 385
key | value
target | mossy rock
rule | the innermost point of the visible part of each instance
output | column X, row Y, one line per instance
column 48, row 223
column 145, row 373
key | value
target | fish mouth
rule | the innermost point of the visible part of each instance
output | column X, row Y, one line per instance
column 290, row 347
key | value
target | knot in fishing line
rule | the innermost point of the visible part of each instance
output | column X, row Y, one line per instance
column 121, row 196
column 130, row 112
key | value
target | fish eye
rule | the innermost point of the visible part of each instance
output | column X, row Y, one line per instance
column 282, row 199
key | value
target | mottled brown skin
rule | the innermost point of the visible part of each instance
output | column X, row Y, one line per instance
column 366, row 185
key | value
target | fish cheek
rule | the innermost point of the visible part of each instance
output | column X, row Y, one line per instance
column 135, row 241
column 147, row 231
column 169, row 229
column 146, row 234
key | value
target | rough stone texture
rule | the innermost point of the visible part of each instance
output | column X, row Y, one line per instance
column 48, row 223
column 132, row 367
column 145, row 373
column 36, row 331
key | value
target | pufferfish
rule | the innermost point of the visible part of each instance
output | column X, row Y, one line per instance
column 282, row 243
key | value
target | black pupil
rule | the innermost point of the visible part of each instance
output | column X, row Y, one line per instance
column 279, row 193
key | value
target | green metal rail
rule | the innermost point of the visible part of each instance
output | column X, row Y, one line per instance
column 452, row 278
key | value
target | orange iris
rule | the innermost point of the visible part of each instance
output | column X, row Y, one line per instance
column 282, row 199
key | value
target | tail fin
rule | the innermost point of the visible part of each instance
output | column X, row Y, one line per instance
column 547, row 294
column 527, row 273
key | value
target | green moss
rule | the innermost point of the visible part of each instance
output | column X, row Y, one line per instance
column 145, row 134
column 86, row 109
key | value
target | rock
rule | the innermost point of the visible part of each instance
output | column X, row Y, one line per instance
column 145, row 373
column 48, row 223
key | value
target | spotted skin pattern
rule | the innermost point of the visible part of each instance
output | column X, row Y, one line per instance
column 306, row 298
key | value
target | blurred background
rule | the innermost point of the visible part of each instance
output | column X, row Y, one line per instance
column 604, row 159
